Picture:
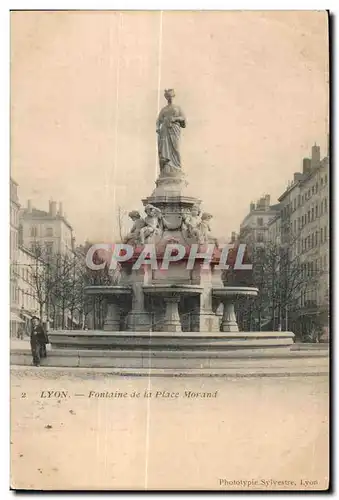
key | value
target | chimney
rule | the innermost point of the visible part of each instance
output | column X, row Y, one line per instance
column 233, row 236
column 60, row 210
column 297, row 176
column 29, row 206
column 52, row 208
column 306, row 165
column 252, row 206
column 267, row 200
column 315, row 156
column 261, row 203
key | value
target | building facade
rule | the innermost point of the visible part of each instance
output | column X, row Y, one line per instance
column 289, row 244
column 15, row 319
column 28, row 267
column 304, row 218
column 49, row 230
column 254, row 227
column 274, row 229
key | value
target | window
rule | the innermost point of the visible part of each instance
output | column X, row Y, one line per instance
column 34, row 232
column 316, row 238
column 321, row 181
column 312, row 240
column 325, row 234
column 49, row 247
column 325, row 178
column 309, row 216
column 294, row 204
column 309, row 193
column 313, row 189
column 322, row 208
column 325, row 261
column 299, row 200
column 321, row 235
column 316, row 187
column 49, row 231
column 325, row 205
column 260, row 221
column 302, row 199
column 295, row 226
column 299, row 223
column 260, row 237
column 312, row 214
column 316, row 210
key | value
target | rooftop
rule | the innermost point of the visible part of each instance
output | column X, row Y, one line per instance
column 35, row 213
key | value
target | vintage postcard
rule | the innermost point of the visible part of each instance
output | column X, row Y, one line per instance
column 169, row 237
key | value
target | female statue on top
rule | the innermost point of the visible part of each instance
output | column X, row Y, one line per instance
column 170, row 120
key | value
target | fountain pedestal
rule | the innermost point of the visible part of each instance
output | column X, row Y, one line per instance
column 171, row 321
column 228, row 295
column 113, row 315
column 138, row 318
column 117, row 297
column 229, row 320
column 171, row 295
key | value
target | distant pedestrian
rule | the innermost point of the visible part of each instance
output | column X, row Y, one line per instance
column 39, row 339
column 21, row 331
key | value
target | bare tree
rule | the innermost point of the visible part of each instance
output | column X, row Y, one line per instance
column 42, row 279
column 281, row 277
column 121, row 215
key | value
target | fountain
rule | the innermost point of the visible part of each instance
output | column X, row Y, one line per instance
column 159, row 317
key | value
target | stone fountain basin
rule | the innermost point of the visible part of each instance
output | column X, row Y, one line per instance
column 203, row 343
column 108, row 290
column 234, row 291
column 172, row 289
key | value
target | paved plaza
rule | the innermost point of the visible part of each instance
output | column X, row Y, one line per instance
column 77, row 429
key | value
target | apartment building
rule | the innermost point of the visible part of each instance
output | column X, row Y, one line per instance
column 254, row 227
column 49, row 230
column 304, row 220
column 27, row 291
column 15, row 319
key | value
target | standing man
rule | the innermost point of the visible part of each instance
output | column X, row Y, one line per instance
column 39, row 339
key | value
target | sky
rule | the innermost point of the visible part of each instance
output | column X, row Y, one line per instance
column 86, row 88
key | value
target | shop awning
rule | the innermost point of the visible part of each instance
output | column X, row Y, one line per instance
column 15, row 317
column 26, row 315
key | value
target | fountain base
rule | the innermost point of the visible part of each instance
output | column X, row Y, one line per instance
column 253, row 354
column 168, row 341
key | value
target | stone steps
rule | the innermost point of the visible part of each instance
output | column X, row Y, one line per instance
column 184, row 363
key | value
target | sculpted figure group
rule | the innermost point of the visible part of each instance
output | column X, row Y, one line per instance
column 195, row 226
column 145, row 229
